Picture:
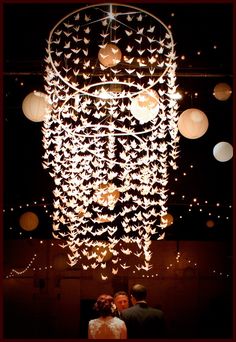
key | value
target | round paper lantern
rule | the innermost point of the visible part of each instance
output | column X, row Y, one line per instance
column 109, row 55
column 35, row 106
column 223, row 151
column 103, row 253
column 29, row 221
column 60, row 262
column 145, row 106
column 222, row 91
column 210, row 223
column 167, row 219
column 193, row 123
column 107, row 195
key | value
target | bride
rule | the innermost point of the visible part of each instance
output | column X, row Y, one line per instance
column 106, row 326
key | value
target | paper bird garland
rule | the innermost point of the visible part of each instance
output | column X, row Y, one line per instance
column 112, row 133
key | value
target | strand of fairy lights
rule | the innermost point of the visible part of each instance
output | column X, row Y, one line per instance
column 196, row 202
column 158, row 274
column 32, row 204
column 27, row 268
column 194, row 265
column 204, row 206
column 191, row 201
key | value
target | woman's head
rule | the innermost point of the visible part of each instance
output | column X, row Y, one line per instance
column 104, row 305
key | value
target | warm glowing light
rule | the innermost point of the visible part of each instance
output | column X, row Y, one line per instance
column 60, row 262
column 112, row 135
column 193, row 123
column 145, row 106
column 35, row 106
column 223, row 151
column 167, row 220
column 109, row 55
column 222, row 91
column 29, row 221
column 106, row 195
column 177, row 96
column 101, row 253
column 210, row 223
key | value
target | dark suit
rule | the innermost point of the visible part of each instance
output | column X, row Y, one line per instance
column 143, row 321
column 117, row 314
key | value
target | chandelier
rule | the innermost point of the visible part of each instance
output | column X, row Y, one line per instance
column 111, row 135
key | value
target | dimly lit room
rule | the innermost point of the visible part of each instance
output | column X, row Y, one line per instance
column 118, row 164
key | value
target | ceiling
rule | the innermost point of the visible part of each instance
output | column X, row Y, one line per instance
column 200, row 189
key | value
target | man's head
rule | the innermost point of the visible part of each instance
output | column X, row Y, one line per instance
column 138, row 293
column 121, row 300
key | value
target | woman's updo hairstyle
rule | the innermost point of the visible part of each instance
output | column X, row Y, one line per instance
column 104, row 305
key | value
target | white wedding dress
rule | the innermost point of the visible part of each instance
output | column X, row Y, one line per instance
column 107, row 328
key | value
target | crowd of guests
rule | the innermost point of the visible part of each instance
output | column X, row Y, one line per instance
column 122, row 317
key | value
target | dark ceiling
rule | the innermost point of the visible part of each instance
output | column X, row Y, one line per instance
column 204, row 36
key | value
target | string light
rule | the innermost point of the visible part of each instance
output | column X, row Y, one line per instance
column 178, row 257
column 204, row 206
column 220, row 274
column 13, row 271
column 171, row 266
column 34, row 203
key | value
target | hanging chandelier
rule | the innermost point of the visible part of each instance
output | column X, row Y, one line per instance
column 111, row 135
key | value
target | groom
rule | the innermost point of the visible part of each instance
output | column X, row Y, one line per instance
column 142, row 321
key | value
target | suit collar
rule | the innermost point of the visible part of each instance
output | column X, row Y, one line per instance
column 141, row 301
column 142, row 304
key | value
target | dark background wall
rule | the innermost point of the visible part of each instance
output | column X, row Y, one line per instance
column 51, row 300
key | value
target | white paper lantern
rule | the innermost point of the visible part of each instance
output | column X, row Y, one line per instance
column 223, row 151
column 193, row 123
column 110, row 55
column 29, row 221
column 145, row 106
column 35, row 106
column 222, row 91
